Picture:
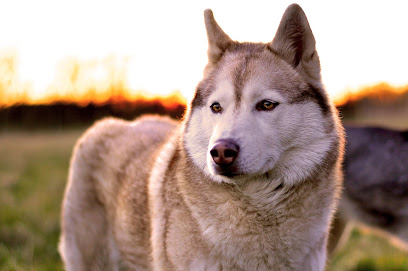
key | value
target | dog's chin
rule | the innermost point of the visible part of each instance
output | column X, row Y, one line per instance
column 225, row 179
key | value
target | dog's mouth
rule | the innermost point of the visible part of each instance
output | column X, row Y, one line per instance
column 234, row 173
column 227, row 171
column 230, row 175
column 234, row 170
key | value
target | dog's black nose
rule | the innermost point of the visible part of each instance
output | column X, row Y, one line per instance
column 224, row 151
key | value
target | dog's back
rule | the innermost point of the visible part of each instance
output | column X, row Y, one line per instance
column 103, row 167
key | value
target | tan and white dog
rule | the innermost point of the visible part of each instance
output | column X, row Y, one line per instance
column 247, row 181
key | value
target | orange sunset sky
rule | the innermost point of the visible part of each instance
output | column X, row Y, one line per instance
column 160, row 46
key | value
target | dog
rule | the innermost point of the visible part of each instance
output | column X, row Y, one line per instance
column 248, row 180
column 375, row 185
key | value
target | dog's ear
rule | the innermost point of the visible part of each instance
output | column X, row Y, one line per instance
column 295, row 43
column 218, row 41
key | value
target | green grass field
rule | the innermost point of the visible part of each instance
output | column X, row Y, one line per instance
column 33, row 170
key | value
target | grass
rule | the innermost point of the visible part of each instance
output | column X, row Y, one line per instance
column 33, row 170
column 366, row 251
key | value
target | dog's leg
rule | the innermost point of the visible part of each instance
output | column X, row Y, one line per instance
column 339, row 232
column 86, row 240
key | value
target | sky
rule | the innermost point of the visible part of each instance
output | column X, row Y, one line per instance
column 163, row 43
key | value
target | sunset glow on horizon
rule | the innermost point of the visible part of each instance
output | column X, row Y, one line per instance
column 71, row 48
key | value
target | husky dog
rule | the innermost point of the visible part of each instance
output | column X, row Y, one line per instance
column 375, row 183
column 247, row 181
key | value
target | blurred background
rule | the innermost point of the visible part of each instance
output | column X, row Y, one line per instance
column 65, row 64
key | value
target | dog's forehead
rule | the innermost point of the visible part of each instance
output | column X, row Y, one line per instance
column 249, row 65
column 262, row 70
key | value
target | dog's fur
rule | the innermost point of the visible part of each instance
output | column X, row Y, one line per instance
column 376, row 184
column 149, row 195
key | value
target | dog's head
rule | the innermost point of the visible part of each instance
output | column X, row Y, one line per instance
column 260, row 109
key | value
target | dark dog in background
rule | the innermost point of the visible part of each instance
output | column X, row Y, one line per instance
column 375, row 183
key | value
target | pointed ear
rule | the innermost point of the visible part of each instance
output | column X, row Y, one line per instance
column 218, row 41
column 295, row 43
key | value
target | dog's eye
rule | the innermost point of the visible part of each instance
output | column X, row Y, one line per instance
column 216, row 108
column 266, row 105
